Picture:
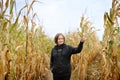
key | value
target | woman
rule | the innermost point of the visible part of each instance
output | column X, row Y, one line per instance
column 60, row 57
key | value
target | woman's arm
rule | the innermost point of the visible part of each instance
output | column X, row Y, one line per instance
column 79, row 48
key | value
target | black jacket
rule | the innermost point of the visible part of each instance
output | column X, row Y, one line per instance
column 60, row 58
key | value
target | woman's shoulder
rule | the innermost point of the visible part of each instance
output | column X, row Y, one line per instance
column 63, row 46
column 69, row 46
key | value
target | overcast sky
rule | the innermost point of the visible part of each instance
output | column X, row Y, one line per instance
column 64, row 15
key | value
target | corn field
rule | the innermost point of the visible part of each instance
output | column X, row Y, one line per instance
column 25, row 49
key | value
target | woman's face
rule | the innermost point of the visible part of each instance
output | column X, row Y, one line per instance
column 60, row 40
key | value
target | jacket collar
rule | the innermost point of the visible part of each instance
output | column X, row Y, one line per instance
column 60, row 46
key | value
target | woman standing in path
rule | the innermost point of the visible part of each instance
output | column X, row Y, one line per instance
column 61, row 57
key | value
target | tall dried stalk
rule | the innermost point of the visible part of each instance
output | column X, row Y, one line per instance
column 91, row 47
column 5, row 22
column 110, row 54
column 15, row 43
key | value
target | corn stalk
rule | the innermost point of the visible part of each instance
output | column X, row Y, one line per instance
column 5, row 37
column 90, row 49
column 110, row 40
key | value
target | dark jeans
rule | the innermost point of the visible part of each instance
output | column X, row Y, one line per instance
column 67, row 77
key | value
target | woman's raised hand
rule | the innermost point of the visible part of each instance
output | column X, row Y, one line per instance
column 83, row 38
